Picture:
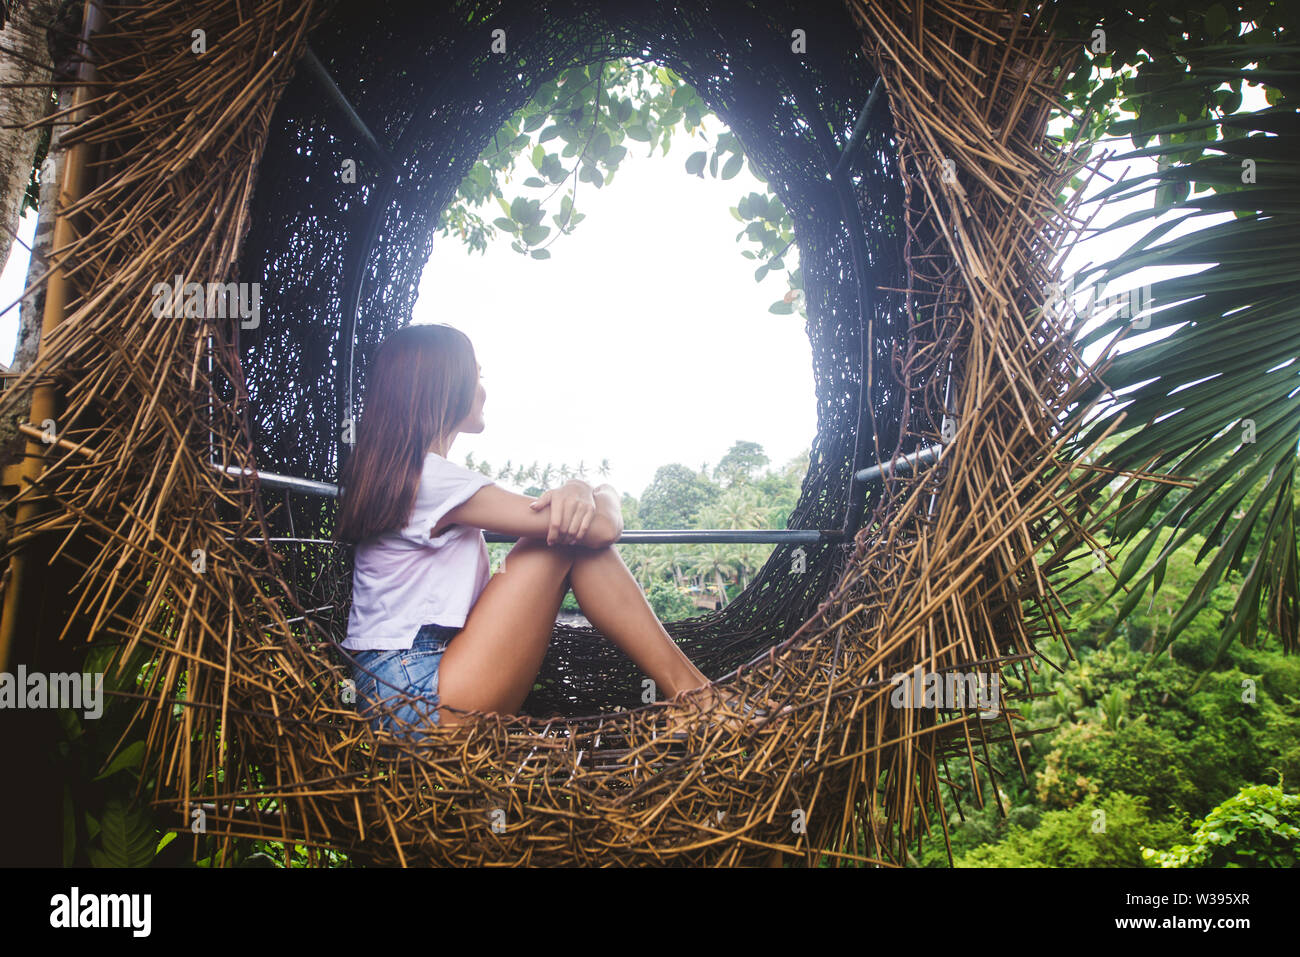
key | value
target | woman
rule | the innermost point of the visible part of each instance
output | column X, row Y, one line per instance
column 427, row 619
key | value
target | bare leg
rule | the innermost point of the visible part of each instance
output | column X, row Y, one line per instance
column 612, row 600
column 492, row 663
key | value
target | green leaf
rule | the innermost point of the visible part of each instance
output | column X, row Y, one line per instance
column 639, row 133
column 508, row 225
column 526, row 212
column 128, row 757
column 732, row 166
column 532, row 235
column 550, row 133
column 70, row 724
column 259, row 859
column 127, row 837
column 535, row 121
column 695, row 165
column 1229, row 330
column 1216, row 21
column 781, row 308
column 534, row 182
column 553, row 169
column 540, row 253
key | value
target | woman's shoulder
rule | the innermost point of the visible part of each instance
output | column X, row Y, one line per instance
column 441, row 471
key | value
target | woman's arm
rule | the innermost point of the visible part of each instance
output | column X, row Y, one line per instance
column 497, row 510
column 609, row 507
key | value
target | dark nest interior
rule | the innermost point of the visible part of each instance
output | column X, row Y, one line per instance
column 433, row 95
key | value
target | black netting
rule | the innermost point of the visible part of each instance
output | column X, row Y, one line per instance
column 424, row 80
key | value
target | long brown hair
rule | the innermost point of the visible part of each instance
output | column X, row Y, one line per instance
column 422, row 384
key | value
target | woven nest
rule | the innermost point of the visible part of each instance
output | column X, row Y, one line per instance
column 924, row 277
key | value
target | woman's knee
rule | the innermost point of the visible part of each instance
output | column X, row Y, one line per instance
column 537, row 545
column 556, row 559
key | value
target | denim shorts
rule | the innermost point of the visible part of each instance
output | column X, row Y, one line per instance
column 403, row 682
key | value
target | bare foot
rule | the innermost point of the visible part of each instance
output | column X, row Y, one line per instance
column 714, row 706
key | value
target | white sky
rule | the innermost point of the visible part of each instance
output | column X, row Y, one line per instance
column 643, row 340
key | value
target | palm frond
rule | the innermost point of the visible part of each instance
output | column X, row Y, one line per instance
column 1218, row 398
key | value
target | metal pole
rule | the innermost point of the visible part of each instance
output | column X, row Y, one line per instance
column 288, row 482
column 646, row 536
column 318, row 70
column 905, row 463
column 946, row 432
column 859, row 127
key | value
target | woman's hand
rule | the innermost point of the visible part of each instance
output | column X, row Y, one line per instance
column 573, row 506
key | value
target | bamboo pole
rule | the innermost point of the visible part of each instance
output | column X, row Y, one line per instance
column 45, row 397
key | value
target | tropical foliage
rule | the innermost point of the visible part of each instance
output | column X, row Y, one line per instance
column 1257, row 827
column 600, row 112
column 1214, row 397
column 1124, row 747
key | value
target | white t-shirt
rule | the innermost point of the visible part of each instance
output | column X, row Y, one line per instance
column 404, row 579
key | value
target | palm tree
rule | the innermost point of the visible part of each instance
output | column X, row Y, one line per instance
column 642, row 566
column 656, row 561
column 737, row 508
column 751, row 556
column 1218, row 398
column 715, row 560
